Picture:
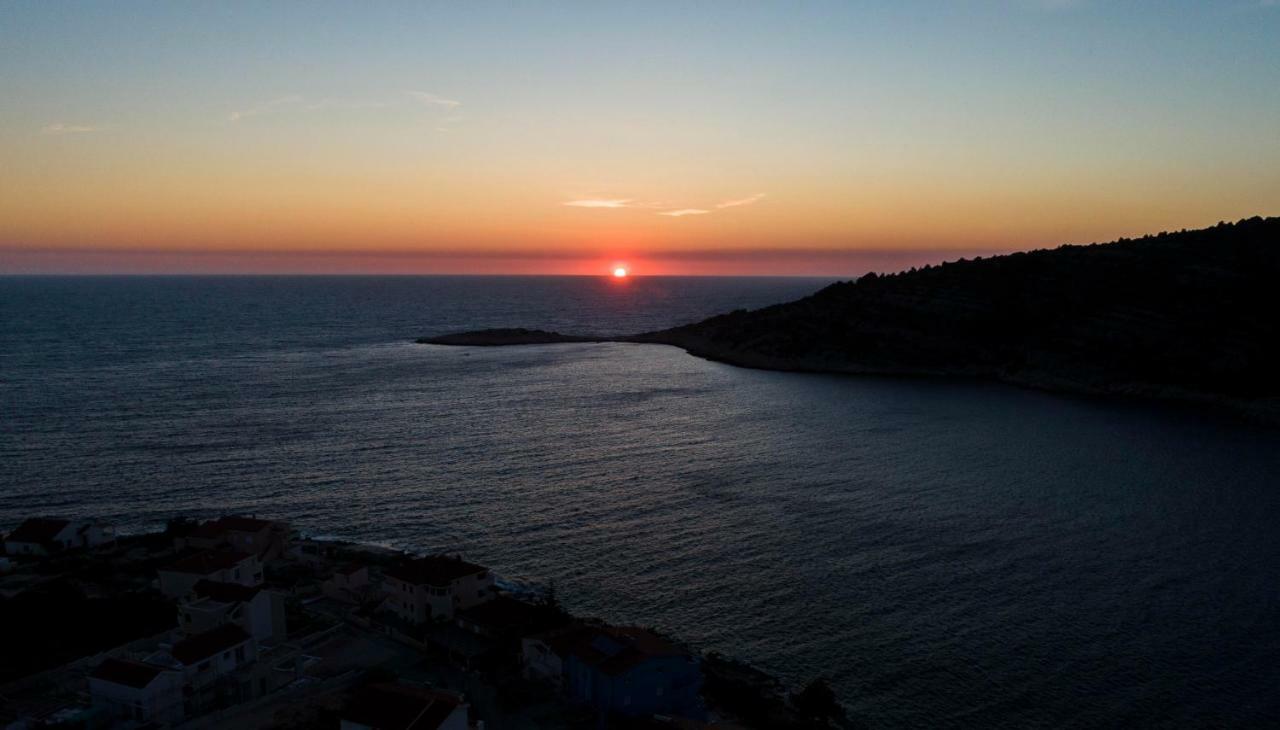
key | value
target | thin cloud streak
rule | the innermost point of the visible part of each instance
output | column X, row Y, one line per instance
column 740, row 201
column 62, row 128
column 824, row 262
column 616, row 203
column 601, row 203
column 266, row 107
column 430, row 99
column 324, row 104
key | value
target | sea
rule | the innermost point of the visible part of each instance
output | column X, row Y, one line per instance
column 946, row 553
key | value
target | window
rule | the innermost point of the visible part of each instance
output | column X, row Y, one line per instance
column 226, row 655
column 203, row 667
column 240, row 653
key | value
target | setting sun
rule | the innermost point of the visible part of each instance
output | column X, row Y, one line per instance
column 620, row 272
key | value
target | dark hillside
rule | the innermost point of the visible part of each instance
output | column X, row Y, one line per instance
column 1190, row 314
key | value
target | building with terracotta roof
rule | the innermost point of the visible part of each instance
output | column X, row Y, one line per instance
column 434, row 588
column 137, row 692
column 268, row 539
column 349, row 584
column 47, row 535
column 225, row 647
column 508, row 618
column 216, row 666
column 210, row 604
column 221, row 566
column 617, row 669
column 404, row 707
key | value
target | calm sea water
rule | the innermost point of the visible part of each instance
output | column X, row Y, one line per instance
column 949, row 554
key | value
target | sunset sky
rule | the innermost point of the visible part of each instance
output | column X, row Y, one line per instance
column 703, row 138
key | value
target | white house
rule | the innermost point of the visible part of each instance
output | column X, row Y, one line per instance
column 211, row 604
column 348, row 584
column 214, row 667
column 540, row 658
column 46, row 536
column 433, row 588
column 137, row 693
column 221, row 566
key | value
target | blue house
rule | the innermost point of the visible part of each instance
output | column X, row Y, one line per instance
column 618, row 670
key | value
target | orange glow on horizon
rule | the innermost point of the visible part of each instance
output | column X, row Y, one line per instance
column 620, row 272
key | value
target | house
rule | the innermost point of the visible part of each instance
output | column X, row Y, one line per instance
column 433, row 588
column 348, row 584
column 213, row 666
column 267, row 539
column 623, row 670
column 404, row 707
column 221, row 566
column 508, row 618
column 211, row 604
column 138, row 693
column 45, row 536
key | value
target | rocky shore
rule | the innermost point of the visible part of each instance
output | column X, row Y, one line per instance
column 1186, row 316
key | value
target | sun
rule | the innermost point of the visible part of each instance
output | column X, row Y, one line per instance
column 620, row 272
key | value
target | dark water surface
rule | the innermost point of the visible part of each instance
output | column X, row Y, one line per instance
column 950, row 554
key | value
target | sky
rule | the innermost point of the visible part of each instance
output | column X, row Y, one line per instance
column 712, row 138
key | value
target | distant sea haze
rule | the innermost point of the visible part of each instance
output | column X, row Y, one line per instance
column 950, row 554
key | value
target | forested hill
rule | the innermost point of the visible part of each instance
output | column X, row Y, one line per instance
column 1191, row 314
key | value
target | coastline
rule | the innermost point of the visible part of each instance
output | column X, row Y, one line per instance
column 341, row 625
column 1261, row 412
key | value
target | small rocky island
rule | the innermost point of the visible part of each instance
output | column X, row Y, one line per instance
column 1186, row 316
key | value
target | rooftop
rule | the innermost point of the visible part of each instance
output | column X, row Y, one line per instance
column 400, row 707
column 225, row 592
column 203, row 646
column 215, row 528
column 38, row 530
column 126, row 672
column 436, row 570
column 348, row 569
column 611, row 649
column 506, row 614
column 208, row 562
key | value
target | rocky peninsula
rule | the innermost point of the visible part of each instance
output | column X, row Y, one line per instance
column 1188, row 316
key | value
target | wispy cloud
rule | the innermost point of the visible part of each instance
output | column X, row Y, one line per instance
column 63, row 128
column 346, row 104
column 265, row 107
column 430, row 99
column 740, row 201
column 658, row 207
column 601, row 203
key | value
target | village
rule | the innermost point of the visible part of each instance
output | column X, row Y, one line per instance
column 241, row 622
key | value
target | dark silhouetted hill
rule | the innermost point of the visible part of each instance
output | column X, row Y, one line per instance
column 1191, row 315
column 1188, row 315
